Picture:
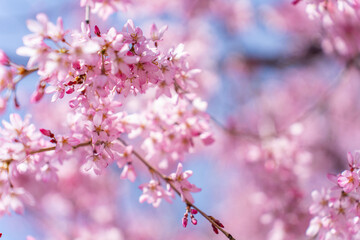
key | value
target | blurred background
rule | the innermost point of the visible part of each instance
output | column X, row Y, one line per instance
column 284, row 111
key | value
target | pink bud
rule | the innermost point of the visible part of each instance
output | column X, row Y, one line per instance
column 294, row 2
column 4, row 59
column 215, row 229
column 76, row 65
column 219, row 223
column 2, row 105
column 184, row 221
column 70, row 90
column 207, row 138
column 47, row 133
column 193, row 221
column 37, row 95
column 16, row 102
column 97, row 31
column 194, row 211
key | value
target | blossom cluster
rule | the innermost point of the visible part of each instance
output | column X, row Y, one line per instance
column 336, row 210
column 95, row 73
column 279, row 167
column 18, row 139
column 339, row 19
column 170, row 129
column 123, row 103
column 123, row 62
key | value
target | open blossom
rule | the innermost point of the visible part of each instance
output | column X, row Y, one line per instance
column 340, row 22
column 128, row 172
column 182, row 184
column 20, row 131
column 153, row 193
column 336, row 210
column 354, row 160
column 6, row 77
column 320, row 201
column 4, row 59
column 155, row 34
column 98, row 72
column 348, row 181
column 121, row 61
column 171, row 128
column 14, row 199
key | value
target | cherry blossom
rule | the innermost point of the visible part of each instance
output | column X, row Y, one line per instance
column 153, row 193
column 182, row 184
column 260, row 98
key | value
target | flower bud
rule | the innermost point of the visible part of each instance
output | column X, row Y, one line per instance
column 4, row 59
column 97, row 31
column 184, row 221
column 193, row 211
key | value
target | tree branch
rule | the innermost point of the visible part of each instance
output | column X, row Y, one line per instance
column 167, row 180
column 47, row 150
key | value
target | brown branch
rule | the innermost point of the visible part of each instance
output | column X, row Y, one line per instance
column 23, row 72
column 47, row 150
column 310, row 52
column 234, row 132
column 169, row 181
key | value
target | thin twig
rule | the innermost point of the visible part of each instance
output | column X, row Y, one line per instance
column 234, row 132
column 167, row 180
column 24, row 74
column 47, row 150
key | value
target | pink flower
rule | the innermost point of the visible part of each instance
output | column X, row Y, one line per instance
column 132, row 34
column 314, row 227
column 59, row 92
column 16, row 198
column 4, row 59
column 125, row 156
column 128, row 172
column 2, row 105
column 121, row 61
column 320, row 201
column 155, row 34
column 38, row 94
column 96, row 162
column 153, row 193
column 182, row 184
column 354, row 161
column 207, row 138
column 65, row 143
column 348, row 180
column 6, row 77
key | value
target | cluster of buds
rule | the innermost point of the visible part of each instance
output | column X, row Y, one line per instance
column 215, row 229
column 336, row 210
column 49, row 134
column 192, row 212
